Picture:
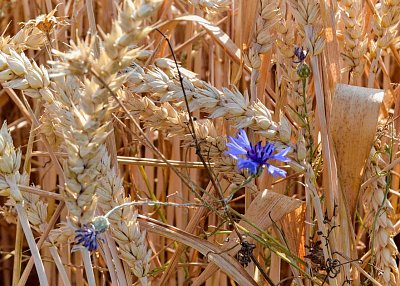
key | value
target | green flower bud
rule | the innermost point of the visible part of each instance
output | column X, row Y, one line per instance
column 303, row 70
column 100, row 223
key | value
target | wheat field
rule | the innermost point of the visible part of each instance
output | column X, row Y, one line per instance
column 199, row 142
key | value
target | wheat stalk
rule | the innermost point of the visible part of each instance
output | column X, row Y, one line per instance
column 355, row 45
column 88, row 112
column 377, row 217
column 124, row 227
column 384, row 24
column 172, row 123
column 10, row 161
column 161, row 82
column 88, row 129
column 264, row 38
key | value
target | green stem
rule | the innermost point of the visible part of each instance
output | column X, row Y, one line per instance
column 238, row 188
column 307, row 121
column 159, row 210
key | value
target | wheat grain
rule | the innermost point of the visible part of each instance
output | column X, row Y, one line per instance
column 124, row 227
column 28, row 38
column 385, row 21
column 10, row 178
column 289, row 75
column 160, row 82
column 264, row 36
column 18, row 72
column 306, row 14
column 230, row 104
column 10, row 160
column 355, row 47
column 90, row 115
column 172, row 123
column 212, row 6
column 87, row 109
column 378, row 212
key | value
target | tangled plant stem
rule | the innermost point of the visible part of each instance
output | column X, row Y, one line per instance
column 210, row 173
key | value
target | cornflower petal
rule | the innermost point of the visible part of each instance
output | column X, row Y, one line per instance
column 87, row 236
column 248, row 164
column 255, row 157
column 238, row 146
column 268, row 150
column 275, row 171
column 243, row 140
column 281, row 155
column 234, row 148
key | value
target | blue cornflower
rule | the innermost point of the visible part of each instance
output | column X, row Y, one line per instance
column 88, row 234
column 303, row 70
column 255, row 157
column 300, row 54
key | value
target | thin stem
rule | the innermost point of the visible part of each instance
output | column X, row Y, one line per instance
column 192, row 129
column 59, row 265
column 32, row 245
column 150, row 203
column 238, row 188
column 44, row 236
column 41, row 193
column 216, row 184
column 261, row 270
column 17, row 254
column 185, row 180
column 49, row 46
column 152, row 194
column 117, row 262
column 109, row 263
column 19, row 236
column 306, row 118
column 91, row 18
column 92, row 27
column 128, row 160
column 146, row 139
column 374, row 178
column 46, row 143
column 362, row 271
column 87, row 262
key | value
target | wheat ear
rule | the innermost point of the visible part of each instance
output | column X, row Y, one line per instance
column 10, row 161
column 378, row 212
